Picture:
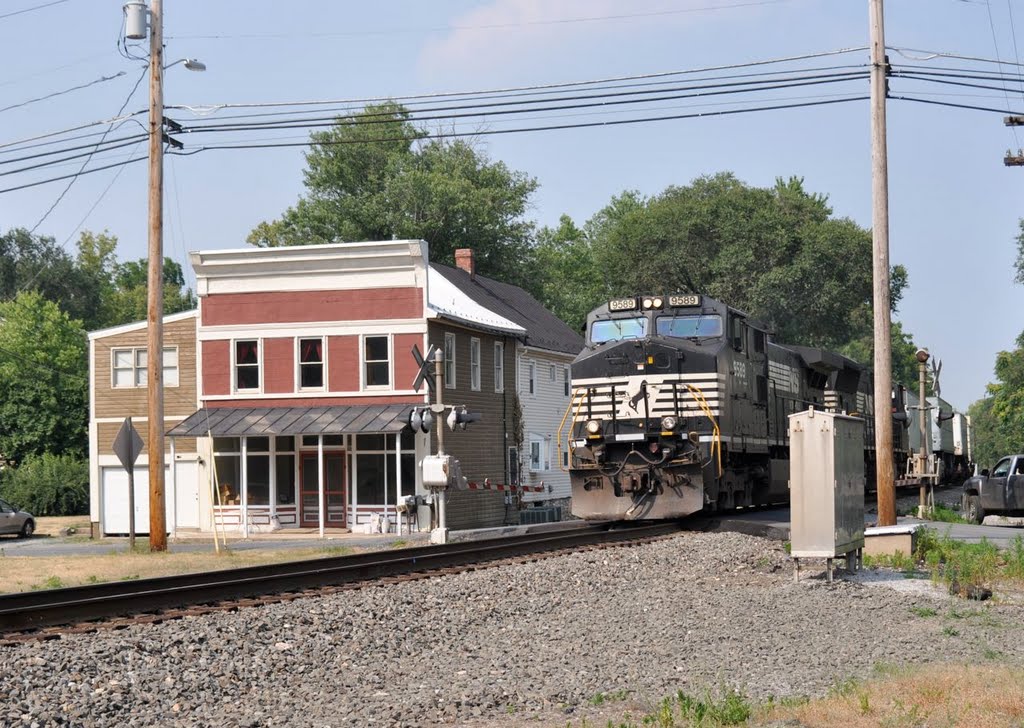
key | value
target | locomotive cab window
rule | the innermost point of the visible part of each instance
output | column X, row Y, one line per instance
column 618, row 329
column 736, row 326
column 690, row 326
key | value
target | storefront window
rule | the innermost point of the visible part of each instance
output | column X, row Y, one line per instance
column 258, row 479
column 371, row 469
column 285, row 480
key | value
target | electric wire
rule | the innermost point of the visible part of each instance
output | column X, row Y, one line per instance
column 995, row 44
column 82, row 170
column 1016, row 53
column 33, row 8
column 98, row 201
column 495, row 109
column 54, row 162
column 550, row 127
column 102, row 79
column 940, row 54
column 208, row 109
column 65, row 150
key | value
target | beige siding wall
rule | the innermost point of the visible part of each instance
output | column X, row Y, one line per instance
column 480, row 448
column 116, row 403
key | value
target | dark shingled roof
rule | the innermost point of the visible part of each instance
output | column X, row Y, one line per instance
column 254, row 421
column 544, row 330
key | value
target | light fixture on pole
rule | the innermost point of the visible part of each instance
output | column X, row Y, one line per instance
column 192, row 64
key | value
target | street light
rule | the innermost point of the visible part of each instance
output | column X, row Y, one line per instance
column 192, row 64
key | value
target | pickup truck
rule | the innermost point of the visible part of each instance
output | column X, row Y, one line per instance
column 1001, row 491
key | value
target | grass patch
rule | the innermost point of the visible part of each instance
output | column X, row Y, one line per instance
column 685, row 711
column 899, row 561
column 936, row 695
column 602, row 698
column 398, row 544
column 943, row 514
column 22, row 573
column 924, row 611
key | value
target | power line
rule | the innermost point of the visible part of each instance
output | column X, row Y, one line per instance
column 995, row 44
column 98, row 200
column 494, row 109
column 54, row 162
column 489, row 26
column 72, row 179
column 551, row 127
column 102, row 79
column 969, row 107
column 1013, row 34
column 65, row 150
column 71, row 176
column 31, row 9
column 939, row 54
column 207, row 109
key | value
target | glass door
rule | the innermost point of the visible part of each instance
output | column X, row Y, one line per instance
column 334, row 490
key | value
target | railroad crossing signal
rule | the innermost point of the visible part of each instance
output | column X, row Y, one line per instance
column 426, row 372
column 421, row 419
column 461, row 418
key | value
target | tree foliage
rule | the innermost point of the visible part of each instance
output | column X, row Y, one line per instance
column 43, row 379
column 777, row 253
column 372, row 176
column 49, row 485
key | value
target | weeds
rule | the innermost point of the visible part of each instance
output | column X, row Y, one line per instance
column 923, row 611
column 943, row 514
column 54, row 582
column 950, row 631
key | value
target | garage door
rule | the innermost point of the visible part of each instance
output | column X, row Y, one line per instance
column 114, row 496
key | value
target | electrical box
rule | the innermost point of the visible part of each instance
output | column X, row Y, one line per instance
column 826, row 485
column 442, row 471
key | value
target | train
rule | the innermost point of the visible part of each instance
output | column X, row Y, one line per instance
column 680, row 403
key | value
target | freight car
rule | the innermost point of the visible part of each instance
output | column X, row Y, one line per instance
column 680, row 404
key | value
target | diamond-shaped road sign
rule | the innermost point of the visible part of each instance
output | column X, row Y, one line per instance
column 128, row 444
column 426, row 373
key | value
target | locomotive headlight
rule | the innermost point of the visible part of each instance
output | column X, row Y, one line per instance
column 648, row 303
column 669, row 423
column 658, row 303
column 593, row 427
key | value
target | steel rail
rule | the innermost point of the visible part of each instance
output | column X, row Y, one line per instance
column 27, row 611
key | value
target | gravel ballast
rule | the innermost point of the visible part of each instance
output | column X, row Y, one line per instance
column 525, row 642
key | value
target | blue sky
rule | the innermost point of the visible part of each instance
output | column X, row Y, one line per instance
column 954, row 206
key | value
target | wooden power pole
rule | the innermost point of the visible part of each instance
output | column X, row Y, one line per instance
column 155, row 300
column 880, row 245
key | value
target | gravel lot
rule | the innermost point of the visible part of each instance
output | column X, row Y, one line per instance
column 525, row 644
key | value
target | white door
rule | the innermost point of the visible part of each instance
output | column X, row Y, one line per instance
column 186, row 494
column 114, row 498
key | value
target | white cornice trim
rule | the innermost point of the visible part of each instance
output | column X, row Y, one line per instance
column 140, row 325
column 315, row 395
column 314, row 328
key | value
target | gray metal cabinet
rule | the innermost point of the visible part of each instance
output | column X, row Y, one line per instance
column 826, row 487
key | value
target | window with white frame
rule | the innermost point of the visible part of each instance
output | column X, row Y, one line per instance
column 532, row 372
column 551, row 373
column 566, row 387
column 247, row 365
column 499, row 366
column 538, row 458
column 377, row 361
column 311, row 363
column 129, row 367
column 449, row 361
column 474, row 364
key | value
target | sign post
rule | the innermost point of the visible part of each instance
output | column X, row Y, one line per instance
column 127, row 446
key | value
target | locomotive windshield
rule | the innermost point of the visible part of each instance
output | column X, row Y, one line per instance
column 686, row 327
column 618, row 329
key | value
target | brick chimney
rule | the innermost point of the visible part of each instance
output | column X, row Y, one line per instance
column 464, row 259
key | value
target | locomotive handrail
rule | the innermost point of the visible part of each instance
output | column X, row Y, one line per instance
column 716, row 442
column 568, row 435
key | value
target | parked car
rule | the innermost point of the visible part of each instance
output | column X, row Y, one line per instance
column 1001, row 491
column 15, row 521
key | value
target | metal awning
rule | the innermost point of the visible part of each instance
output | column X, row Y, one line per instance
column 262, row 421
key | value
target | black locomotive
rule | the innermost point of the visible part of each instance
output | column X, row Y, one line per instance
column 680, row 404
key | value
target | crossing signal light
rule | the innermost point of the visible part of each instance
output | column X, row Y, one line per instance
column 421, row 419
column 461, row 418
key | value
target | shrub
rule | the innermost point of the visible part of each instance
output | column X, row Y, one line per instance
column 48, row 485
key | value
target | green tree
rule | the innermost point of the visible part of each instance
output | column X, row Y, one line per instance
column 49, row 485
column 43, row 379
column 37, row 263
column 567, row 279
column 373, row 176
column 777, row 253
column 127, row 299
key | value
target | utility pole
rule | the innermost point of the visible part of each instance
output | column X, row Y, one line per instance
column 880, row 247
column 155, row 300
column 922, row 356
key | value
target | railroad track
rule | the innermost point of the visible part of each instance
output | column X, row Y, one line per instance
column 52, row 613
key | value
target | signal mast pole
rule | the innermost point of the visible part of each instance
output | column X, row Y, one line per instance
column 884, row 478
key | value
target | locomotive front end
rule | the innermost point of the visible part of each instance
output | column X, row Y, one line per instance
column 643, row 432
